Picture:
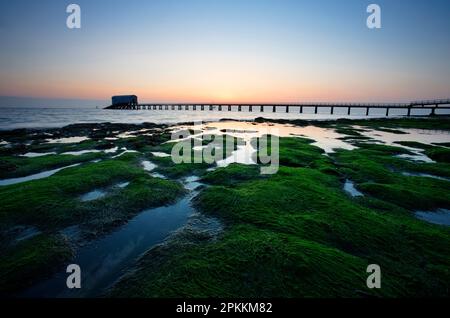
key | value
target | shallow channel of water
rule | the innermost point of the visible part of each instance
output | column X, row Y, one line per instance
column 104, row 261
column 350, row 188
column 36, row 176
column 440, row 216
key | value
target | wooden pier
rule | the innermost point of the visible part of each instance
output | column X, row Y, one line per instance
column 433, row 107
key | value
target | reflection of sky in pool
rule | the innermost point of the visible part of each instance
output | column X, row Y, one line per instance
column 325, row 138
column 441, row 216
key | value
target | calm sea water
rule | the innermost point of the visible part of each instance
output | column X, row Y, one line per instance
column 11, row 118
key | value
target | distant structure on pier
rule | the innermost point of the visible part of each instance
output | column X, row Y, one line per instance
column 124, row 102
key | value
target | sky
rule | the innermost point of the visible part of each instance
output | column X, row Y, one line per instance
column 225, row 50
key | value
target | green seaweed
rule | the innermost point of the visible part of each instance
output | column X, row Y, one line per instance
column 12, row 167
column 30, row 261
column 293, row 234
column 53, row 201
column 298, row 234
column 193, row 160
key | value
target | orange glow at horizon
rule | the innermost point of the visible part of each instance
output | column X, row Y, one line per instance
column 237, row 93
column 225, row 51
column 213, row 81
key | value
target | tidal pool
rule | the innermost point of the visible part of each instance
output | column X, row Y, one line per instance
column 67, row 140
column 124, row 151
column 325, row 138
column 349, row 187
column 160, row 154
column 158, row 175
column 100, row 193
column 123, row 185
column 104, row 261
column 419, row 157
column 243, row 155
column 148, row 165
column 40, row 175
column 37, row 154
column 72, row 153
column 22, row 232
column 425, row 175
column 424, row 136
column 93, row 195
column 82, row 152
column 191, row 183
column 440, row 216
column 134, row 134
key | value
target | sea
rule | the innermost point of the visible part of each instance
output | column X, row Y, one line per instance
column 33, row 117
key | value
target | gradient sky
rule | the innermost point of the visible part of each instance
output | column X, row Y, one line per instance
column 226, row 50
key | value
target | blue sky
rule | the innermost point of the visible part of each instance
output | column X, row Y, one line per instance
column 226, row 50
